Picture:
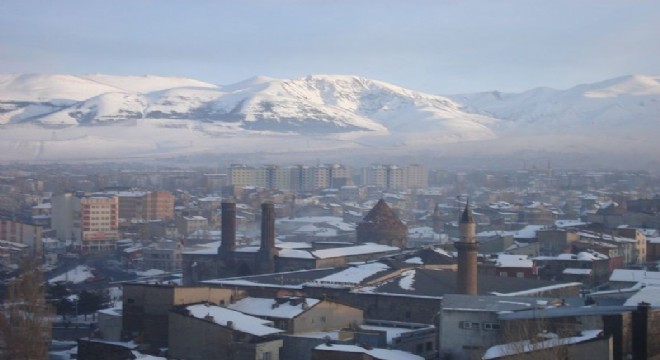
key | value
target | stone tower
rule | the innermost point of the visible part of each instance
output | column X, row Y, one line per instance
column 383, row 226
column 267, row 250
column 466, row 280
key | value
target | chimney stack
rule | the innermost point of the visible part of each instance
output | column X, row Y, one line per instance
column 228, row 226
column 267, row 251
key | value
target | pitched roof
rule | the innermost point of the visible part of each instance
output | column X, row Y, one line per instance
column 382, row 213
column 234, row 319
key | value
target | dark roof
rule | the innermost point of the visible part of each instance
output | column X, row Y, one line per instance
column 565, row 311
column 437, row 283
column 382, row 213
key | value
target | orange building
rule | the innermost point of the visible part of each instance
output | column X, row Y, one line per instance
column 99, row 223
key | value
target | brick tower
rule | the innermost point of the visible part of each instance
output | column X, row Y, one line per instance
column 466, row 280
column 267, row 250
column 228, row 219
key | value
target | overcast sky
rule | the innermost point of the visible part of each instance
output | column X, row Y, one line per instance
column 438, row 46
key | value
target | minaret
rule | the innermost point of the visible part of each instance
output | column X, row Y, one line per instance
column 267, row 250
column 437, row 219
column 466, row 280
column 228, row 222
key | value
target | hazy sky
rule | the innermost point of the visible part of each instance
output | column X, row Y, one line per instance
column 438, row 46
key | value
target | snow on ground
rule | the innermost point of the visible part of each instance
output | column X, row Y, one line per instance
column 76, row 275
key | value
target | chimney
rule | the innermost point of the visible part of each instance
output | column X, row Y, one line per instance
column 268, row 227
column 228, row 226
column 267, row 251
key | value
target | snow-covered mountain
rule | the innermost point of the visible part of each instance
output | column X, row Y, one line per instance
column 627, row 105
column 315, row 104
column 64, row 117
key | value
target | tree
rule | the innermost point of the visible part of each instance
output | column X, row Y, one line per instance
column 90, row 301
column 26, row 318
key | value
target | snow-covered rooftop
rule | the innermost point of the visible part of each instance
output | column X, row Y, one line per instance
column 239, row 321
column 626, row 275
column 382, row 354
column 649, row 294
column 269, row 307
column 352, row 276
column 514, row 261
column 528, row 232
column 367, row 248
column 527, row 346
column 572, row 271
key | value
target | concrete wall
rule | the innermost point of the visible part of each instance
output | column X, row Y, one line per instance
column 146, row 307
column 197, row 339
column 326, row 315
column 299, row 348
column 383, row 307
column 110, row 326
column 461, row 343
column 95, row 350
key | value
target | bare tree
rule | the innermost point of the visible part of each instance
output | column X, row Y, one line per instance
column 26, row 318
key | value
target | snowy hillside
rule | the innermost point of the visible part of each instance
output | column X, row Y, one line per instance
column 628, row 105
column 315, row 104
column 65, row 117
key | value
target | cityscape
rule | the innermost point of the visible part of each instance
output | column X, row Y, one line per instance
column 329, row 180
column 308, row 261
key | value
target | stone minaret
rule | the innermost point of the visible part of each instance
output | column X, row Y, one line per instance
column 466, row 281
column 267, row 251
column 228, row 227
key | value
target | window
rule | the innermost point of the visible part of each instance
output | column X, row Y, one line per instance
column 266, row 356
column 429, row 346
column 468, row 325
column 419, row 349
column 130, row 301
column 491, row 326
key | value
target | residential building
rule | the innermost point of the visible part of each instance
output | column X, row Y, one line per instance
column 89, row 221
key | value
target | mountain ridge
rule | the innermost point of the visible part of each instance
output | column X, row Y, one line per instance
column 104, row 116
